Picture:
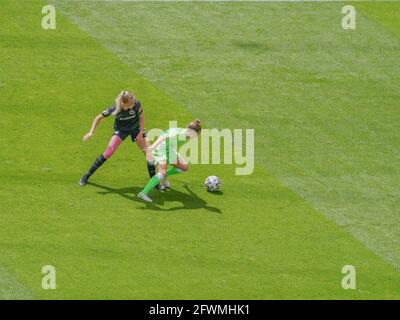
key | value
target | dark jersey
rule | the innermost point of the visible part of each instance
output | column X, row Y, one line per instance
column 126, row 120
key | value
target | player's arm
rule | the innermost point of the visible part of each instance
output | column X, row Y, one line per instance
column 141, row 123
column 150, row 149
column 171, row 134
column 154, row 146
column 96, row 122
column 139, row 110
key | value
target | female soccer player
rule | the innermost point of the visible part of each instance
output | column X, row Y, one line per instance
column 129, row 121
column 164, row 152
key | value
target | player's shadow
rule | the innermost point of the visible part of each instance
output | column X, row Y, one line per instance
column 189, row 200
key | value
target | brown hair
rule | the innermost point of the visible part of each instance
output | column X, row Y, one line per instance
column 195, row 126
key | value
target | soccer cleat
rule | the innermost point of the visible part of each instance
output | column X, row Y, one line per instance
column 161, row 187
column 84, row 180
column 165, row 183
column 144, row 197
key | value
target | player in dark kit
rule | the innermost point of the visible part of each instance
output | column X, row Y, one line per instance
column 129, row 121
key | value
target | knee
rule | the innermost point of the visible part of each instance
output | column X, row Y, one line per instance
column 184, row 167
column 162, row 171
column 161, row 176
column 109, row 152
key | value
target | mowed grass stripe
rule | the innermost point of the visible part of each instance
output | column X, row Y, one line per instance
column 105, row 245
column 323, row 100
column 11, row 289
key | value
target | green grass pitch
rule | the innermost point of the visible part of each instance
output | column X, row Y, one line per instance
column 324, row 103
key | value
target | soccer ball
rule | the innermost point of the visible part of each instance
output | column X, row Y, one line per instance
column 213, row 183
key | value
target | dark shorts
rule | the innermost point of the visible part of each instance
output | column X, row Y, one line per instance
column 124, row 134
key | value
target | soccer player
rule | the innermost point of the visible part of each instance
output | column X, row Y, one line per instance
column 129, row 121
column 164, row 152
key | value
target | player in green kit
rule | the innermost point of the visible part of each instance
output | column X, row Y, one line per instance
column 164, row 153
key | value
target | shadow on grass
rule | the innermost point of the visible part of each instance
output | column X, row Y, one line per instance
column 189, row 200
column 258, row 47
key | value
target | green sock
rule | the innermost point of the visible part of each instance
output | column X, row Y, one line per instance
column 173, row 170
column 152, row 183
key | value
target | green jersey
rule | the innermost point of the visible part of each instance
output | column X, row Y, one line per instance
column 167, row 151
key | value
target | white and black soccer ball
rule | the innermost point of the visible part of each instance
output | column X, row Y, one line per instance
column 213, row 183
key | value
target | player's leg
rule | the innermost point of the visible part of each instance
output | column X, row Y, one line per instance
column 115, row 141
column 143, row 144
column 154, row 181
column 179, row 167
column 112, row 146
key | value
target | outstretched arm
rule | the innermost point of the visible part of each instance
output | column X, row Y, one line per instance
column 149, row 150
column 160, row 140
column 95, row 123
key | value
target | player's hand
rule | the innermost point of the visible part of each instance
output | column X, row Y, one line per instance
column 87, row 136
column 149, row 152
column 150, row 149
column 139, row 137
column 149, row 155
